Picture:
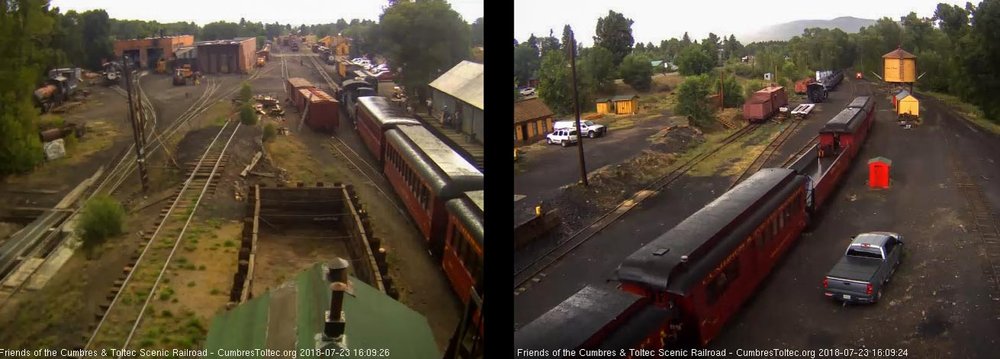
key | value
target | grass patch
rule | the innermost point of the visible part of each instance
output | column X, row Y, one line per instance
column 967, row 110
column 734, row 158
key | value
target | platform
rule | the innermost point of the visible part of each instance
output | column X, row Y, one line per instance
column 460, row 142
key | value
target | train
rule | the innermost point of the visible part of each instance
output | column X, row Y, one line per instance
column 324, row 110
column 441, row 191
column 680, row 289
column 764, row 103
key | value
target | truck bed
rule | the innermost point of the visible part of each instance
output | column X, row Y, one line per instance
column 853, row 268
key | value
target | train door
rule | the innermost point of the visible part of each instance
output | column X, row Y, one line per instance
column 524, row 132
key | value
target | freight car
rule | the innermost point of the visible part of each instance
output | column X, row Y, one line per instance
column 764, row 103
column 323, row 113
column 375, row 115
column 681, row 288
column 293, row 86
column 463, row 246
column 425, row 173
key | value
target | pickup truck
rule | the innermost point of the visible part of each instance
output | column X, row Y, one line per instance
column 587, row 127
column 865, row 269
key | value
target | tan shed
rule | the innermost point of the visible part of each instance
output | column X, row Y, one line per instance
column 532, row 120
column 626, row 104
column 603, row 105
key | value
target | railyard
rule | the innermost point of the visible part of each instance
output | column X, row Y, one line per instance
column 947, row 210
column 172, row 271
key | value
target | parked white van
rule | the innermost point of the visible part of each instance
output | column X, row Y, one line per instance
column 588, row 128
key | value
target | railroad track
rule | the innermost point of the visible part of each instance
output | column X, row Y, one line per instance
column 121, row 318
column 791, row 159
column 112, row 179
column 372, row 174
column 768, row 152
column 531, row 271
column 322, row 72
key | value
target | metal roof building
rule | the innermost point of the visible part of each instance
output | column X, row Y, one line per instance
column 461, row 90
column 294, row 317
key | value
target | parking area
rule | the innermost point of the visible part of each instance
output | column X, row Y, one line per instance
column 542, row 169
column 942, row 301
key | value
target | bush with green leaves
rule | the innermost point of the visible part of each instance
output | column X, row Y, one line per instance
column 102, row 218
column 245, row 93
column 637, row 72
column 247, row 115
column 691, row 99
column 269, row 132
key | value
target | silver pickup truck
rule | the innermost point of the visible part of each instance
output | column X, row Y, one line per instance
column 869, row 262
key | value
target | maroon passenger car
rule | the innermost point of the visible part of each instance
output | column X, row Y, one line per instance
column 375, row 115
column 425, row 173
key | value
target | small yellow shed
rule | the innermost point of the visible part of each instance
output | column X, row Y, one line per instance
column 908, row 106
column 626, row 104
column 603, row 105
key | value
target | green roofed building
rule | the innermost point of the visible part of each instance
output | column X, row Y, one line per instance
column 294, row 317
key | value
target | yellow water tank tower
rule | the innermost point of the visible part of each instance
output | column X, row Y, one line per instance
column 899, row 67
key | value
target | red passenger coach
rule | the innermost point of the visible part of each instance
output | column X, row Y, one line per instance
column 324, row 111
column 426, row 173
column 463, row 245
column 375, row 115
column 709, row 264
column 848, row 129
column 597, row 317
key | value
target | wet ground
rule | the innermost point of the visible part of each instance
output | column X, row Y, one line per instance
column 422, row 282
column 939, row 302
column 542, row 169
column 595, row 261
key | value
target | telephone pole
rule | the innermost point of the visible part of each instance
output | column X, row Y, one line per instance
column 137, row 125
column 576, row 105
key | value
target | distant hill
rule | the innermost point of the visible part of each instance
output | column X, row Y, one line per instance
column 786, row 31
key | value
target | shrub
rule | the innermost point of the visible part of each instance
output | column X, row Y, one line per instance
column 246, row 93
column 247, row 115
column 269, row 133
column 102, row 218
column 691, row 99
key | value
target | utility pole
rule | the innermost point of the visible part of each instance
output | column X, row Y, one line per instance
column 722, row 89
column 137, row 130
column 576, row 105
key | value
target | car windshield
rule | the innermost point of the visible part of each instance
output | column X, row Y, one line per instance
column 572, row 133
column 588, row 123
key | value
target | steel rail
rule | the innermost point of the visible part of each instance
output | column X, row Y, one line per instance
column 177, row 242
column 371, row 180
column 159, row 227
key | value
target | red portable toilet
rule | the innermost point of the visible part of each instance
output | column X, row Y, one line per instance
column 878, row 172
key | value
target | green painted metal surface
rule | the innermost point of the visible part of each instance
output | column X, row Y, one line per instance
column 377, row 325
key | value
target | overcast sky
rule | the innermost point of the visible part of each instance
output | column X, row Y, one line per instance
column 283, row 11
column 660, row 20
